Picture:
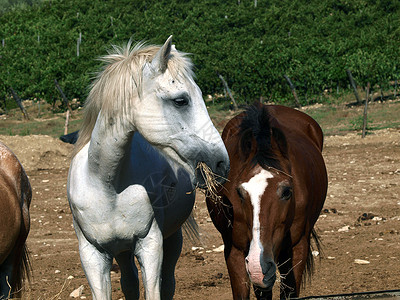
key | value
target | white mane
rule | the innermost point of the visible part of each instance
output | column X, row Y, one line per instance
column 119, row 83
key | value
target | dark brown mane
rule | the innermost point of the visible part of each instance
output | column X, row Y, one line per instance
column 256, row 134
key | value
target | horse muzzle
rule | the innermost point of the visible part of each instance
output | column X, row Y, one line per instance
column 217, row 173
column 212, row 168
column 262, row 273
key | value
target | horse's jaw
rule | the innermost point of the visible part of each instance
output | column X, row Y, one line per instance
column 178, row 162
column 212, row 157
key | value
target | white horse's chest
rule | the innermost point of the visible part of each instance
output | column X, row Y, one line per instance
column 104, row 217
column 118, row 217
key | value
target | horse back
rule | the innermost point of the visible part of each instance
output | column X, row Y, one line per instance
column 232, row 127
column 304, row 138
column 13, row 176
column 296, row 121
column 10, row 206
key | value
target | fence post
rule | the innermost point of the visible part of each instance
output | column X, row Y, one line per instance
column 65, row 100
column 235, row 107
column 5, row 105
column 66, row 123
column 353, row 84
column 292, row 87
column 78, row 43
column 365, row 113
column 19, row 102
column 112, row 26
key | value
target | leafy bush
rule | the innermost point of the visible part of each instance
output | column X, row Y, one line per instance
column 313, row 42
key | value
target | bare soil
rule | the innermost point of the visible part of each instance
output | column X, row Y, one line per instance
column 360, row 221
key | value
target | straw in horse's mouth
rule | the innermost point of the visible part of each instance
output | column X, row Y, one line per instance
column 210, row 180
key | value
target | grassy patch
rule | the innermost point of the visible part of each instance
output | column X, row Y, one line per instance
column 342, row 119
column 334, row 118
column 54, row 127
column 44, row 121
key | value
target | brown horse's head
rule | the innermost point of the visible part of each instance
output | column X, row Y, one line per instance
column 264, row 188
column 268, row 206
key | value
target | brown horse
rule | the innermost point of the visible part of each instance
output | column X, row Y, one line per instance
column 15, row 198
column 268, row 207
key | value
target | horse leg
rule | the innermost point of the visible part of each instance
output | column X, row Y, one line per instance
column 287, row 280
column 129, row 275
column 12, row 272
column 262, row 295
column 292, row 262
column 172, row 249
column 149, row 253
column 240, row 283
column 6, row 271
column 300, row 256
column 96, row 265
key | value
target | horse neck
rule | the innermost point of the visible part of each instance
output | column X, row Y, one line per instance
column 109, row 144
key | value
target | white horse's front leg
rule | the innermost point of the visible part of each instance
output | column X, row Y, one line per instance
column 96, row 265
column 149, row 252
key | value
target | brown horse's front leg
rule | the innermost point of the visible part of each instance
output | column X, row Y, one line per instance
column 285, row 264
column 292, row 262
column 287, row 280
column 262, row 295
column 240, row 282
column 300, row 256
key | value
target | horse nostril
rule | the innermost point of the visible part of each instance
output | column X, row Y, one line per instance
column 270, row 265
column 247, row 260
column 269, row 269
column 222, row 168
column 220, row 165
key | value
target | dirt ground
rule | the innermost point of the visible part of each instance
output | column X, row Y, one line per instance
column 359, row 227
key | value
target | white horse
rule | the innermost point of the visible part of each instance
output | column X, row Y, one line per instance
column 129, row 198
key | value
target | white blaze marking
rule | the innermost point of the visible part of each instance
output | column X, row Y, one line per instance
column 255, row 187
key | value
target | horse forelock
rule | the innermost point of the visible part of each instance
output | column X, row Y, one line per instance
column 119, row 83
column 256, row 129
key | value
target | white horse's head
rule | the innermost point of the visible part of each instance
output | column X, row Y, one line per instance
column 172, row 116
column 150, row 89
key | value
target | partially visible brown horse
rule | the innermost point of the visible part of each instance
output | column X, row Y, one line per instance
column 15, row 198
column 275, row 191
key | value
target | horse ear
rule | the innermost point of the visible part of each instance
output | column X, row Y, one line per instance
column 279, row 137
column 160, row 60
column 248, row 145
column 280, row 140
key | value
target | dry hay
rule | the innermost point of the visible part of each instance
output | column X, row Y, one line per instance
column 212, row 186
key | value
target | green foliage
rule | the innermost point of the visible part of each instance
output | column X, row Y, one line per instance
column 7, row 5
column 313, row 42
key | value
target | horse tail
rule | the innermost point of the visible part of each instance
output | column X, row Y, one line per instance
column 22, row 263
column 191, row 230
column 22, row 272
column 314, row 245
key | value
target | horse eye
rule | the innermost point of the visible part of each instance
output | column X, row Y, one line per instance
column 180, row 101
column 286, row 193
